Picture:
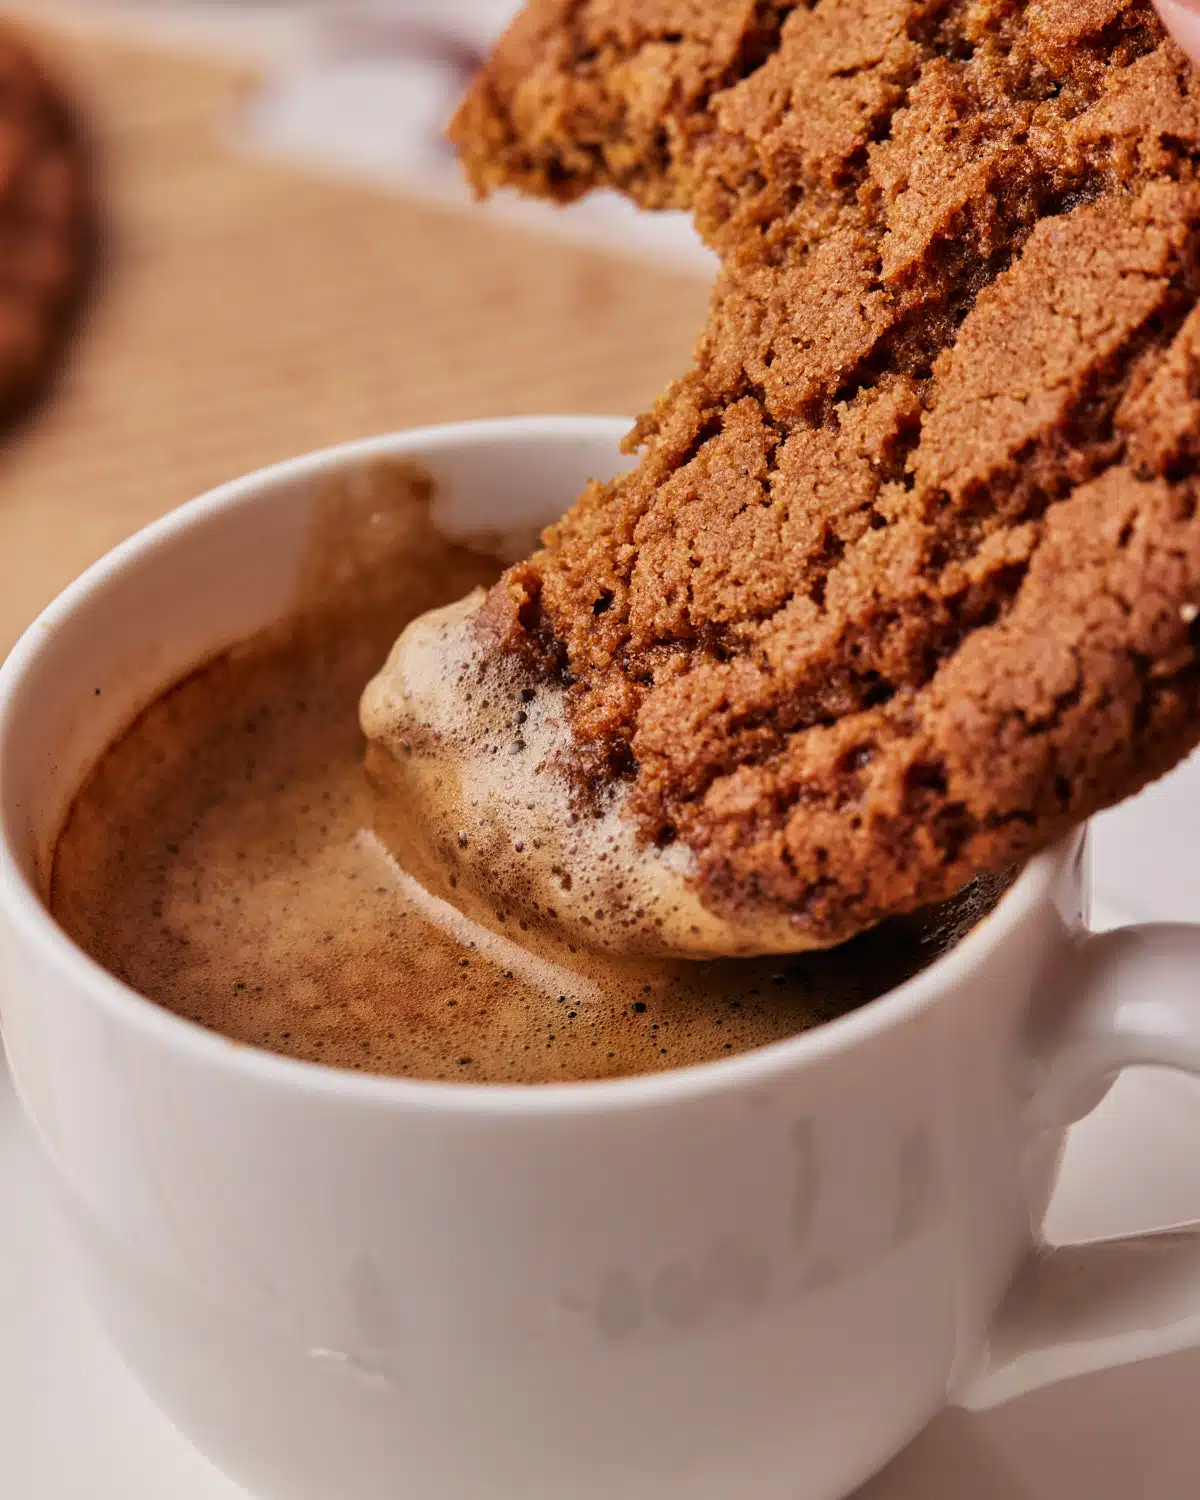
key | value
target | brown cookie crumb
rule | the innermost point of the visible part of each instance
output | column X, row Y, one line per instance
column 906, row 581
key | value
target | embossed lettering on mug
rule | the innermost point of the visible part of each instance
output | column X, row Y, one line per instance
column 729, row 1278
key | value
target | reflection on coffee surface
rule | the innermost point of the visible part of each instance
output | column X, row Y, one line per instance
column 230, row 858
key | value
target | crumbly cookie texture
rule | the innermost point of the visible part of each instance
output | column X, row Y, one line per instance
column 907, row 580
column 46, row 222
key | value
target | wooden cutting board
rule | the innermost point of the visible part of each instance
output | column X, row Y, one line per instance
column 248, row 310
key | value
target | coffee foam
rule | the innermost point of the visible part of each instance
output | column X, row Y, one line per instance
column 471, row 761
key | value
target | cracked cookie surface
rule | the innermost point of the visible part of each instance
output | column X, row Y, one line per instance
column 907, row 580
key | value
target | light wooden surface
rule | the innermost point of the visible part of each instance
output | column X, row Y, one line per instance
column 248, row 311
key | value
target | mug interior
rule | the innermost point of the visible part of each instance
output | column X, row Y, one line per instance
column 224, row 567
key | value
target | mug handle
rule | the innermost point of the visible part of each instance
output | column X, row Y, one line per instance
column 1131, row 997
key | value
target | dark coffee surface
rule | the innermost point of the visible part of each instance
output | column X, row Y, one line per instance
column 221, row 860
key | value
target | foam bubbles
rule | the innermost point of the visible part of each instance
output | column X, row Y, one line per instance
column 471, row 760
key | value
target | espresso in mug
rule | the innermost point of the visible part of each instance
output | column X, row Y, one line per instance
column 223, row 859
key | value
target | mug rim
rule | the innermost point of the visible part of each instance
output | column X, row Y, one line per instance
column 124, row 1005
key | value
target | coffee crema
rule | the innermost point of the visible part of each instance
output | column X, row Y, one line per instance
column 225, row 859
column 476, row 762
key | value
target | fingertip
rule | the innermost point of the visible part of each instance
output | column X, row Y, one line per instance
column 1184, row 25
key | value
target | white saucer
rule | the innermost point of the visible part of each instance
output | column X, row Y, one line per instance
column 74, row 1426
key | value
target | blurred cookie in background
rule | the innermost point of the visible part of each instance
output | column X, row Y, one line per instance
column 47, row 222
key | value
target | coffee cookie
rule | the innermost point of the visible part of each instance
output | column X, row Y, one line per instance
column 907, row 580
column 46, row 228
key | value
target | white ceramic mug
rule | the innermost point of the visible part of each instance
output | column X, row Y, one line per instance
column 756, row 1278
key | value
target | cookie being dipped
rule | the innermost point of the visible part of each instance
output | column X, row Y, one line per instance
column 907, row 578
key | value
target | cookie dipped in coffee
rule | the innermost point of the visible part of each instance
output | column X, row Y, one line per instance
column 228, row 859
